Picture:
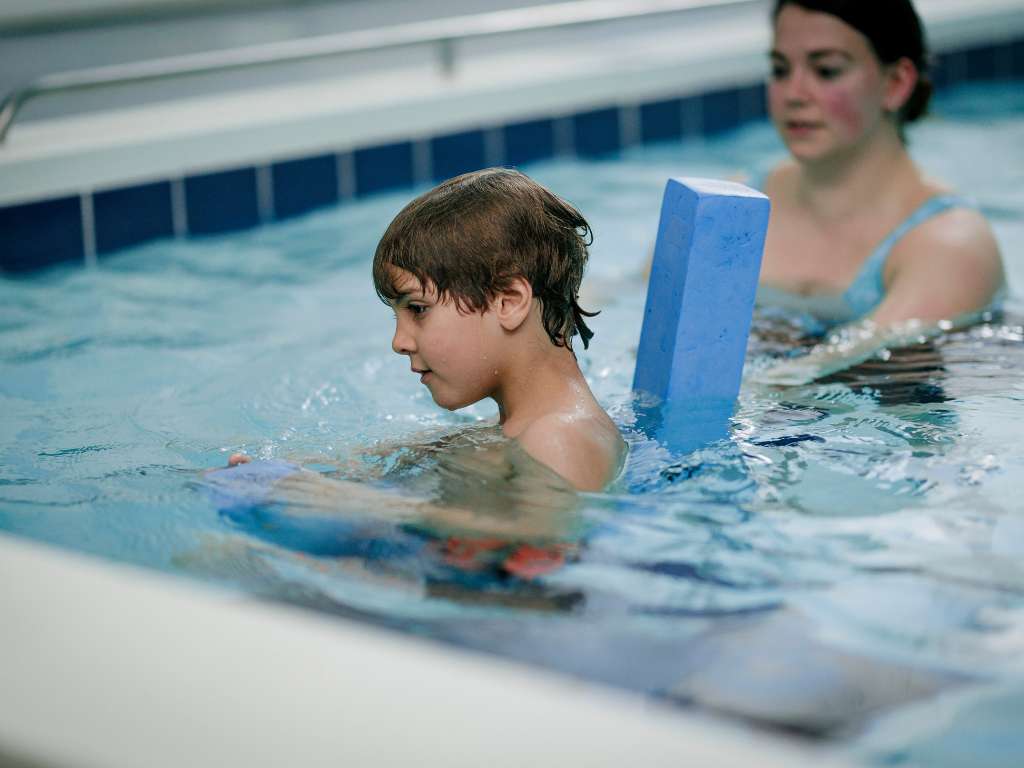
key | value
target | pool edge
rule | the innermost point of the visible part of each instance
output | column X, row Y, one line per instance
column 109, row 664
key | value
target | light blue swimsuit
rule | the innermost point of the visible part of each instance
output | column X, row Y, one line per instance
column 868, row 288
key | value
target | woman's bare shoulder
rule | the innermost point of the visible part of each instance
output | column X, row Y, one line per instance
column 961, row 233
column 781, row 179
column 946, row 267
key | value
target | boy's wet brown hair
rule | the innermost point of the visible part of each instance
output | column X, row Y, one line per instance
column 472, row 235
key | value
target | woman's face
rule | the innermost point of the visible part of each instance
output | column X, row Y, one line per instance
column 828, row 89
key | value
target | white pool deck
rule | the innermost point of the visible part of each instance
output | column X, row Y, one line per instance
column 110, row 665
column 404, row 95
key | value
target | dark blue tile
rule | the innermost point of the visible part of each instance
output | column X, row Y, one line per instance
column 950, row 69
column 721, row 110
column 302, row 185
column 529, row 141
column 1003, row 54
column 132, row 215
column 388, row 166
column 222, row 202
column 596, row 133
column 940, row 70
column 753, row 102
column 1017, row 58
column 661, row 121
column 692, row 112
column 457, row 153
column 982, row 64
column 37, row 235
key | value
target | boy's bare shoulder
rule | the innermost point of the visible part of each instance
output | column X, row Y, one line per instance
column 585, row 450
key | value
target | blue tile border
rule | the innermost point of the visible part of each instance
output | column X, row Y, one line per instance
column 42, row 234
column 693, row 116
column 661, row 120
column 597, row 132
column 224, row 201
column 992, row 62
column 383, row 167
column 983, row 64
column 68, row 229
column 131, row 215
column 529, row 141
column 753, row 102
column 457, row 153
column 949, row 68
column 721, row 110
column 304, row 185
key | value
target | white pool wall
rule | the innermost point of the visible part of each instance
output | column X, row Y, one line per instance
column 108, row 665
column 494, row 82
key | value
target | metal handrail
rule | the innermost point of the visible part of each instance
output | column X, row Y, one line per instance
column 443, row 32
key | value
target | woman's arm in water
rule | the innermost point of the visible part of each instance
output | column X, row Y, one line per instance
column 847, row 346
column 943, row 275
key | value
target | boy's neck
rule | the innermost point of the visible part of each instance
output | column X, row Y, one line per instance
column 538, row 382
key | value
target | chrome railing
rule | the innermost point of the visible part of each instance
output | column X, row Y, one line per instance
column 443, row 33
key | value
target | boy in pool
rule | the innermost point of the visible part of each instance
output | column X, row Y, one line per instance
column 483, row 274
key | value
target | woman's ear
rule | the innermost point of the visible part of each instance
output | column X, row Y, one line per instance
column 512, row 305
column 901, row 79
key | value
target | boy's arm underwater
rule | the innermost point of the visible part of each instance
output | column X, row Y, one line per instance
column 501, row 494
column 367, row 463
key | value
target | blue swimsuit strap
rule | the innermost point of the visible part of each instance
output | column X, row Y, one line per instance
column 868, row 287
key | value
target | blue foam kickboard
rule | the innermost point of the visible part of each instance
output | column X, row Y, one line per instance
column 244, row 496
column 247, row 485
column 700, row 302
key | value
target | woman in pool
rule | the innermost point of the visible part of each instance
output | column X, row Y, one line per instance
column 857, row 231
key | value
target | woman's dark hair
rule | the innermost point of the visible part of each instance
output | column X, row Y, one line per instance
column 894, row 30
column 472, row 235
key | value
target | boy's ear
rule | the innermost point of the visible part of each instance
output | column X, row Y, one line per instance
column 513, row 304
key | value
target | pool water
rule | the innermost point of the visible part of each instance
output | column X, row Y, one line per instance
column 848, row 567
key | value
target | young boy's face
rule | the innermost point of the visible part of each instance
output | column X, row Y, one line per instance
column 452, row 351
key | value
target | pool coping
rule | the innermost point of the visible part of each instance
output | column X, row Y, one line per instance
column 73, row 190
column 108, row 664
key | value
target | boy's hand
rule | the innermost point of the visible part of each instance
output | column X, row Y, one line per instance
column 238, row 458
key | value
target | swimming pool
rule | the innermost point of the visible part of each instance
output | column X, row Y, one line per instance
column 848, row 564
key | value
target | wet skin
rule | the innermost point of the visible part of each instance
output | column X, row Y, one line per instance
column 503, row 352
